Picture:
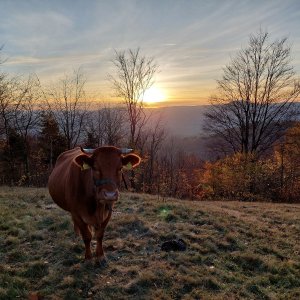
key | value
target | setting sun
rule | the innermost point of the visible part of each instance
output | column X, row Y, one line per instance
column 154, row 95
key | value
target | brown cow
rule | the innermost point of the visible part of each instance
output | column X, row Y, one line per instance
column 85, row 183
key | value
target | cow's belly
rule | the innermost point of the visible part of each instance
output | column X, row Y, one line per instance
column 62, row 181
column 57, row 190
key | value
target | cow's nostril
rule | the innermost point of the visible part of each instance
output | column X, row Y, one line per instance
column 110, row 195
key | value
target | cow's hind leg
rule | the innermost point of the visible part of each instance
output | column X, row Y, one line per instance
column 86, row 235
column 75, row 226
column 76, row 229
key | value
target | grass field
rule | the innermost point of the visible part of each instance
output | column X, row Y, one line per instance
column 235, row 250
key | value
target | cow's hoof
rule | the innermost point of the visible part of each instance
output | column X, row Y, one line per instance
column 88, row 264
column 101, row 261
column 88, row 257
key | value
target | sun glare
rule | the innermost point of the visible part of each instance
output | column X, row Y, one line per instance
column 154, row 95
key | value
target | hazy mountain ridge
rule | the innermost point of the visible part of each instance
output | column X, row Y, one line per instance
column 184, row 121
column 188, row 121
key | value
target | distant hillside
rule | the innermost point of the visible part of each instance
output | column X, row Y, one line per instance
column 235, row 250
column 186, row 124
column 188, row 121
column 184, row 121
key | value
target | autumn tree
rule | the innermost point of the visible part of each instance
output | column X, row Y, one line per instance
column 255, row 96
column 134, row 74
column 287, row 157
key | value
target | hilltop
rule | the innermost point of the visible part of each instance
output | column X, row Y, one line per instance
column 234, row 250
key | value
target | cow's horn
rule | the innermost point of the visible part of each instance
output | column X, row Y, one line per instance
column 87, row 151
column 126, row 150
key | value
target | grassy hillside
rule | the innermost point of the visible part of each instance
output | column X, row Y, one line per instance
column 235, row 250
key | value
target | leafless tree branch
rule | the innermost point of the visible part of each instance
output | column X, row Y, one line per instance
column 255, row 95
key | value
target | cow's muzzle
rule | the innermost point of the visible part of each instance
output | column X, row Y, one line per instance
column 109, row 195
column 109, row 192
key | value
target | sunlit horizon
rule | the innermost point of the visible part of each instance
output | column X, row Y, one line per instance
column 154, row 95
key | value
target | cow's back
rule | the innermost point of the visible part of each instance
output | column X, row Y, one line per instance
column 63, row 179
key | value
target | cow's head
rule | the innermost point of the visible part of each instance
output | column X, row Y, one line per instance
column 107, row 164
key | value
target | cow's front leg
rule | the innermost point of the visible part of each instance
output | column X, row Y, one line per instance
column 86, row 236
column 99, row 249
column 99, row 232
column 87, row 243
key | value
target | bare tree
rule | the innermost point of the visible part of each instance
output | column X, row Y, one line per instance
column 106, row 125
column 26, row 112
column 94, row 129
column 134, row 75
column 19, row 114
column 255, row 96
column 154, row 139
column 7, row 85
column 113, row 125
column 6, row 104
column 67, row 102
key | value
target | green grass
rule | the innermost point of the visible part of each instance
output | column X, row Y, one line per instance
column 235, row 250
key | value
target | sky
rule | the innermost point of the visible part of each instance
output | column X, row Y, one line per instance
column 190, row 40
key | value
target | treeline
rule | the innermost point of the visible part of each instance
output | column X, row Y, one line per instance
column 27, row 158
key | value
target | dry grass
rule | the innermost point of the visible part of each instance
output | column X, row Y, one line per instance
column 236, row 250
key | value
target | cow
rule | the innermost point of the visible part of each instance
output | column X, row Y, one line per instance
column 85, row 183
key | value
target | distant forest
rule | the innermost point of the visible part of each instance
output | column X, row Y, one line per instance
column 252, row 126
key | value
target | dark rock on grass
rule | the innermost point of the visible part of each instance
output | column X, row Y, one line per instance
column 174, row 245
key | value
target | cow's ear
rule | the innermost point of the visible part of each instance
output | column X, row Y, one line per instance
column 83, row 161
column 130, row 161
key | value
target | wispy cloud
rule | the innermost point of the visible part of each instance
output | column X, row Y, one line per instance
column 190, row 40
